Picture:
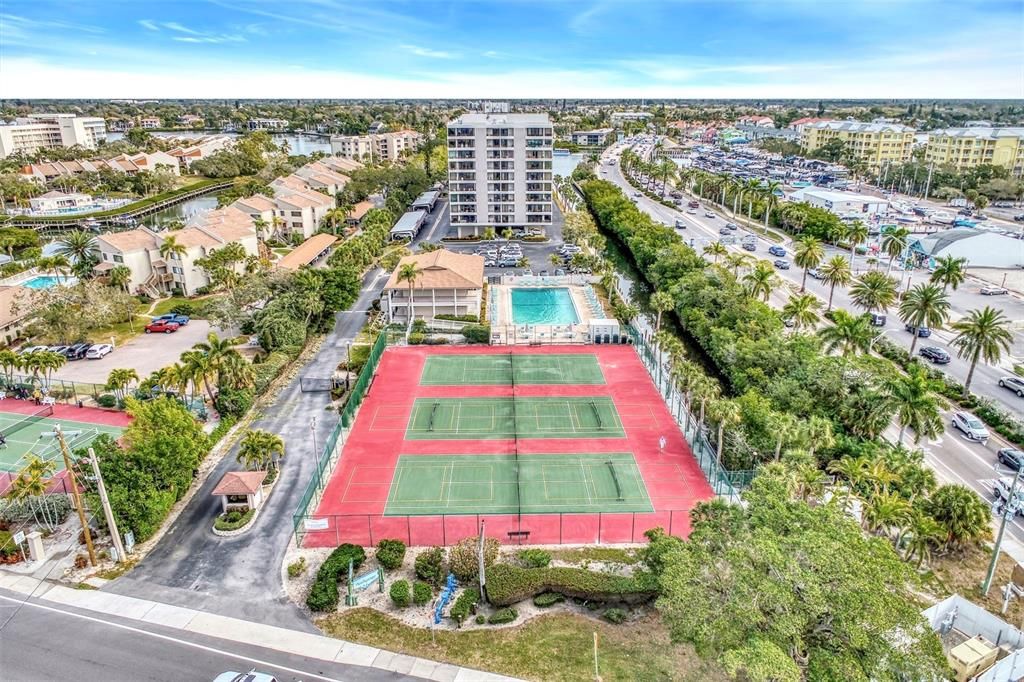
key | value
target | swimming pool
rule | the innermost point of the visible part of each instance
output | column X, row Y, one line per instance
column 543, row 306
column 46, row 281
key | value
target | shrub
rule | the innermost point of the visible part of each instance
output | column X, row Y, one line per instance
column 81, row 561
column 416, row 338
column 430, row 566
column 268, row 370
column 457, row 318
column 481, row 619
column 421, row 593
column 546, row 599
column 7, row 546
column 507, row 584
column 297, row 568
column 502, row 616
column 390, row 553
column 185, row 308
column 400, row 593
column 234, row 519
column 614, row 615
column 323, row 595
column 233, row 402
column 464, row 605
column 106, row 400
column 477, row 333
column 464, row 561
column 534, row 558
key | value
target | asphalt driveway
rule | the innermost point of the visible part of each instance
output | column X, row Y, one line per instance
column 145, row 353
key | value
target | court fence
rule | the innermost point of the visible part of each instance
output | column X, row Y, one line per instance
column 586, row 528
column 331, row 453
column 725, row 483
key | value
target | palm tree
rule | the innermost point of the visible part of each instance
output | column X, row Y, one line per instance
column 119, row 380
column 802, row 309
column 808, row 254
column 752, row 188
column 923, row 533
column 884, row 511
column 874, row 291
column 79, row 246
column 30, row 487
column 170, row 248
column 9, row 361
column 924, row 306
column 949, row 272
column 853, row 470
column 236, row 372
column 217, row 351
column 916, row 406
column 761, row 280
column 983, row 334
column 737, row 261
column 715, row 249
column 880, row 475
column 704, row 389
column 835, row 271
column 260, row 449
column 120, row 277
column 785, row 427
column 58, row 264
column 770, row 200
column 856, row 233
column 894, row 242
column 196, row 365
column 409, row 273
column 660, row 302
column 817, row 433
column 849, row 334
column 489, row 234
column 725, row 413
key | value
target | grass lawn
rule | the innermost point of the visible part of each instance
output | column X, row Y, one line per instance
column 164, row 305
column 963, row 574
column 550, row 647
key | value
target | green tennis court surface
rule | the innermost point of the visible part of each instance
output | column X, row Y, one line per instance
column 494, row 418
column 456, row 370
column 25, row 435
column 493, row 484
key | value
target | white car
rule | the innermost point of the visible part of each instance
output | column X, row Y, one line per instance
column 709, row 214
column 33, row 349
column 993, row 291
column 971, row 426
column 98, row 351
column 251, row 676
column 1001, row 488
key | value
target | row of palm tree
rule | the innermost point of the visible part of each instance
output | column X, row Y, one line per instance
column 260, row 450
column 37, row 363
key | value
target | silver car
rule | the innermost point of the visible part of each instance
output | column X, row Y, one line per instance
column 971, row 426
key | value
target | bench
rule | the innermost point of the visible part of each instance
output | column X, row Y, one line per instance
column 519, row 535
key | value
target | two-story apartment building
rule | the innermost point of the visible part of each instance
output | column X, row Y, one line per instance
column 499, row 171
column 321, row 177
column 965, row 148
column 447, row 284
column 123, row 163
column 872, row 143
column 149, row 122
column 593, row 138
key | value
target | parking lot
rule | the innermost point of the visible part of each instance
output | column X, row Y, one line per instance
column 145, row 353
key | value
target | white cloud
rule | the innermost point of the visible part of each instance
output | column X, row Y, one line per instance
column 174, row 26
column 149, row 24
column 427, row 52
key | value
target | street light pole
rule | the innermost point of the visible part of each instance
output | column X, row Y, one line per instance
column 1009, row 509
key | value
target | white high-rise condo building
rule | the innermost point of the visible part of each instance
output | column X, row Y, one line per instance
column 47, row 131
column 499, row 171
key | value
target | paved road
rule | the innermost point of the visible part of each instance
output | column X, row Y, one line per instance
column 954, row 458
column 703, row 230
column 45, row 641
column 241, row 576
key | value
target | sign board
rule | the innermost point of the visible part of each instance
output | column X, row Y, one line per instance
column 315, row 524
column 129, row 542
column 18, row 537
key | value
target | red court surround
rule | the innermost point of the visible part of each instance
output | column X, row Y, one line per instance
column 354, row 500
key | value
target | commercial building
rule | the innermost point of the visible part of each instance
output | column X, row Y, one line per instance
column 499, row 171
column 447, row 284
column 377, row 147
column 268, row 124
column 872, row 143
column 843, row 204
column 49, row 131
column 981, row 248
column 593, row 138
column 759, row 121
column 976, row 145
column 56, row 202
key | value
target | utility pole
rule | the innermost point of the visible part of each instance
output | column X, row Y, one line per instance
column 107, row 511
column 1009, row 509
column 928, row 184
column 75, row 494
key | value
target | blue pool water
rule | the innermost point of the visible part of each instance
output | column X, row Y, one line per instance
column 44, row 282
column 543, row 306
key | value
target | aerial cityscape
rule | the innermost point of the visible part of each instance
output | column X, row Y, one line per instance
column 485, row 341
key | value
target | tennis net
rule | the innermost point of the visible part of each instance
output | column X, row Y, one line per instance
column 28, row 421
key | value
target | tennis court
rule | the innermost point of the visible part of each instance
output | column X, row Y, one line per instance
column 498, row 418
column 508, row 369
column 506, row 484
column 25, row 435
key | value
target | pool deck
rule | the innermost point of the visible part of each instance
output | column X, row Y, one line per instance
column 505, row 331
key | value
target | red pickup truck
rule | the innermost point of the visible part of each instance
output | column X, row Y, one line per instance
column 162, row 326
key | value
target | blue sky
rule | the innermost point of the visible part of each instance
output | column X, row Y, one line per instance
column 515, row 48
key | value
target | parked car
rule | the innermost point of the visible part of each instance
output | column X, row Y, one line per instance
column 993, row 291
column 177, row 318
column 971, row 426
column 922, row 332
column 1011, row 457
column 782, row 264
column 32, row 349
column 637, row 194
column 937, row 356
column 1013, row 383
column 490, row 263
column 877, row 320
column 76, row 351
column 162, row 327
column 98, row 351
column 749, row 246
column 251, row 676
column 58, row 349
column 777, row 251
column 1019, row 218
column 724, row 230
column 732, row 226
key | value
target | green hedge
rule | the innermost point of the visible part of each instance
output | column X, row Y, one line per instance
column 507, row 585
column 323, row 595
column 534, row 558
column 477, row 333
column 546, row 599
column 234, row 519
column 390, row 553
column 464, row 605
column 400, row 593
column 502, row 616
column 421, row 593
column 430, row 566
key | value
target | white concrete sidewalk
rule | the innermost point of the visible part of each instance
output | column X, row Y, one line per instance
column 243, row 632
